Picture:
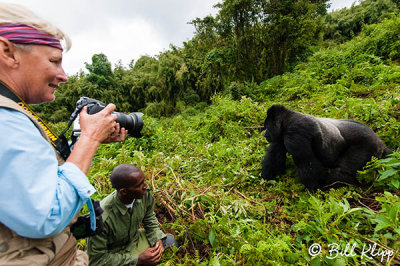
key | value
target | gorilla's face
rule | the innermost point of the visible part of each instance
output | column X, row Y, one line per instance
column 271, row 129
column 268, row 135
column 272, row 123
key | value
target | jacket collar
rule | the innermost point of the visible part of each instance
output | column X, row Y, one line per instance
column 117, row 203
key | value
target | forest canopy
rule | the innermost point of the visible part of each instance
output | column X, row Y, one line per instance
column 247, row 42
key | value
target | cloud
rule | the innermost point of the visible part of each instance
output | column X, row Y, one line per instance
column 339, row 4
column 124, row 29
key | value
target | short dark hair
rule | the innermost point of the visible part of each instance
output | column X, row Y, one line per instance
column 120, row 175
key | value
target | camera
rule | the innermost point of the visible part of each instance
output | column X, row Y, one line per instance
column 81, row 228
column 132, row 122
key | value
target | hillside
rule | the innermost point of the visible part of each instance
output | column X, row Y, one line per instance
column 203, row 165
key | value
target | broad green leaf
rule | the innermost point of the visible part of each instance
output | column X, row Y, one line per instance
column 211, row 237
column 387, row 173
column 396, row 183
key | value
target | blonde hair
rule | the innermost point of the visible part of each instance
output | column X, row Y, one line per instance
column 12, row 13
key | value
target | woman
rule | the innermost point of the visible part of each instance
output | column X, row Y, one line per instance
column 40, row 193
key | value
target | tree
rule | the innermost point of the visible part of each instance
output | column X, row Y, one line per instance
column 292, row 27
column 260, row 38
column 239, row 24
column 346, row 23
column 100, row 72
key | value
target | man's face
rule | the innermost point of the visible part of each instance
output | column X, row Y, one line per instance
column 138, row 188
column 41, row 72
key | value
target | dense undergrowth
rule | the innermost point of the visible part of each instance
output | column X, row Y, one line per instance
column 203, row 166
column 204, row 169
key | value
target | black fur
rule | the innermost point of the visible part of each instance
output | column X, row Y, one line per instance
column 324, row 150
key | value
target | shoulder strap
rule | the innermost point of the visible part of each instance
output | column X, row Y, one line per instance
column 60, row 143
column 8, row 103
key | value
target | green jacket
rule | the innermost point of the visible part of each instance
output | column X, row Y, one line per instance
column 113, row 245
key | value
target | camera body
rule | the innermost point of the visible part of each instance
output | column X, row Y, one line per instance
column 81, row 228
column 132, row 122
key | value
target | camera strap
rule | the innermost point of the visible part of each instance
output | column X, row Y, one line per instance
column 60, row 143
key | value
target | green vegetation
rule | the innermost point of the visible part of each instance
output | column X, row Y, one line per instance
column 203, row 162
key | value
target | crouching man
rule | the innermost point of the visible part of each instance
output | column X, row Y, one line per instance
column 122, row 242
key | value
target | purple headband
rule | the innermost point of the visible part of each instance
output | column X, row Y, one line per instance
column 24, row 34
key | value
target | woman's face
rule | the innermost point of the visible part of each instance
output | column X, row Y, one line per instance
column 41, row 72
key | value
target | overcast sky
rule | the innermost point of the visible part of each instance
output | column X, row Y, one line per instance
column 125, row 29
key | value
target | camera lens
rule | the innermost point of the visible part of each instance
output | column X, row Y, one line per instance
column 132, row 122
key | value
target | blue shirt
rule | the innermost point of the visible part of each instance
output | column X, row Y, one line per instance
column 38, row 198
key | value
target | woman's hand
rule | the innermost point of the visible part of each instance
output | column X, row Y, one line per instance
column 100, row 126
column 95, row 129
column 118, row 135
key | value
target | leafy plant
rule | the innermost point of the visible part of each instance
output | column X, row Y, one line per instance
column 388, row 171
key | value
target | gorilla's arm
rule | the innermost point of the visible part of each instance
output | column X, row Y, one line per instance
column 274, row 161
column 311, row 171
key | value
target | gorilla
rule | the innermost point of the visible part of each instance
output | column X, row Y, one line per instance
column 324, row 150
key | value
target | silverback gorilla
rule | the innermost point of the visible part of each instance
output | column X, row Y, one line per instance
column 324, row 150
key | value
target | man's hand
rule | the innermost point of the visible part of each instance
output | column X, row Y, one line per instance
column 151, row 255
